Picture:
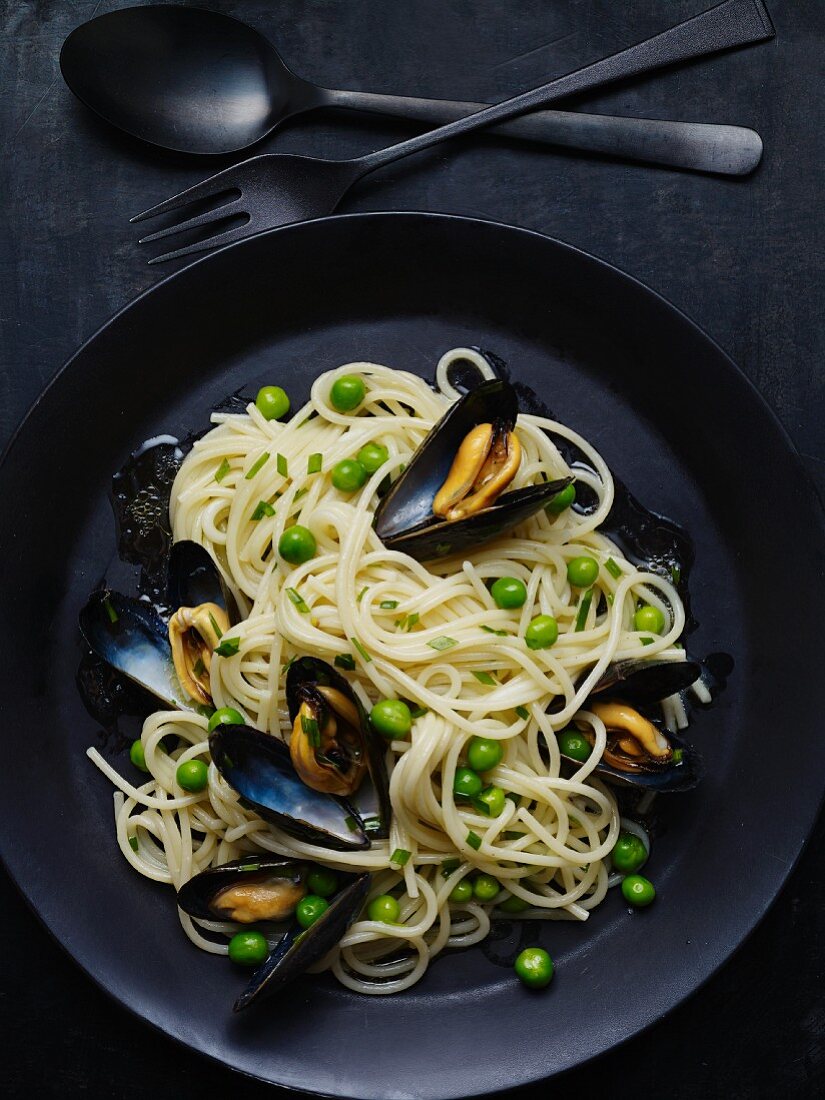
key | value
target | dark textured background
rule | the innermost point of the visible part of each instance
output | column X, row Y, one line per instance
column 744, row 258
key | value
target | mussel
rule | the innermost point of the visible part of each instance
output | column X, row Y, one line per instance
column 267, row 888
column 640, row 752
column 452, row 495
column 259, row 768
column 332, row 746
column 171, row 660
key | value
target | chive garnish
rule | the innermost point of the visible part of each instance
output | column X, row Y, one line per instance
column 110, row 611
column 312, row 730
column 584, row 608
column 388, row 605
column 522, row 712
column 298, row 600
column 133, row 843
column 300, row 493
column 263, row 508
column 314, row 463
column 610, row 598
column 484, row 678
column 482, row 807
column 371, row 824
column 228, row 647
column 675, row 574
column 677, row 755
column 361, row 650
column 257, row 466
column 489, row 630
column 215, row 627
column 474, row 840
column 360, row 595
column 442, row 549
column 345, row 660
column 449, row 865
column 416, row 712
column 250, row 867
column 199, row 667
column 646, row 641
column 282, row 464
column 351, row 823
column 400, row 857
column 222, row 470
column 411, row 621
column 442, row 643
column 613, row 569
column 288, row 665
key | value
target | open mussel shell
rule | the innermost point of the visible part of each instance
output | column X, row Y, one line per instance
column 258, row 766
column 404, row 519
column 131, row 637
column 194, row 579
column 200, row 896
column 640, row 681
column 298, row 950
column 372, row 799
column 672, row 776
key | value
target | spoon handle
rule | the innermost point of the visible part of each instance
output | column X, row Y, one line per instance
column 731, row 23
column 698, row 146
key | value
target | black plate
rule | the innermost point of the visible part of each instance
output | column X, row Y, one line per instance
column 673, row 417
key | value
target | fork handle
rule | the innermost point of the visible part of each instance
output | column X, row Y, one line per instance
column 729, row 24
column 701, row 147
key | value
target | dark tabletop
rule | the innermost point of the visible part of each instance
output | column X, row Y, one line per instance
column 743, row 258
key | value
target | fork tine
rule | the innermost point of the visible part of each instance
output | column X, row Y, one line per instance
column 206, row 189
column 192, row 223
column 211, row 242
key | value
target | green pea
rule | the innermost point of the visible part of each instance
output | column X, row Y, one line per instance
column 322, row 882
column 486, row 887
column 514, row 904
column 509, row 592
column 136, row 755
column 297, row 544
column 309, row 909
column 347, row 392
column 562, row 500
column 493, row 798
column 574, row 744
column 372, row 456
column 272, row 402
column 384, row 908
column 462, row 891
column 225, row 716
column 649, row 618
column 542, row 632
column 629, row 853
column 193, row 775
column 582, row 571
column 534, row 967
column 484, row 753
column 391, row 718
column 348, row 475
column 638, row 891
column 248, row 948
column 467, row 784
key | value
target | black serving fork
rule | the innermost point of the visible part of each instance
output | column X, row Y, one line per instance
column 278, row 188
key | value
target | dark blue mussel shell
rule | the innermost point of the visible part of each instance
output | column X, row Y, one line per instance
column 372, row 799
column 193, row 579
column 195, row 896
column 259, row 768
column 404, row 519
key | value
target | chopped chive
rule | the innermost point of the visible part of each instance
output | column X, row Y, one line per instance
column 677, row 755
column 201, row 708
column 228, row 647
column 263, row 508
column 351, row 823
column 288, row 665
column 411, row 621
column 345, row 660
column 360, row 595
column 262, row 461
column 222, row 470
column 400, row 857
column 675, row 574
column 110, row 611
column 513, row 834
column 199, row 667
column 388, row 605
column 613, row 569
column 371, row 824
column 489, row 630
column 484, row 678
column 474, row 840
column 314, row 463
column 215, row 627
column 416, row 712
column 312, row 730
column 442, row 549
column 250, row 867
column 449, row 865
column 298, row 600
column 282, row 464
column 133, row 843
column 300, row 493
column 646, row 641
column 442, row 643
column 522, row 712
column 584, row 609
column 361, row 650
column 482, row 807
column 610, row 598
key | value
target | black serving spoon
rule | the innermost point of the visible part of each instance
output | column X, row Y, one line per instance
column 279, row 189
column 196, row 81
